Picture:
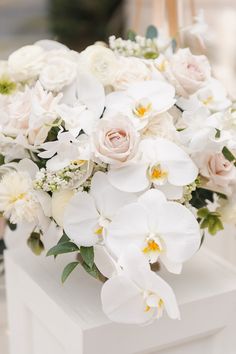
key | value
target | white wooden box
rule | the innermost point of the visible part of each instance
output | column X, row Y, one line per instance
column 46, row 317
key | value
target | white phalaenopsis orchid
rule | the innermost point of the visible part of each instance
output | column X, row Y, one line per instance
column 142, row 101
column 136, row 294
column 82, row 104
column 162, row 163
column 61, row 152
column 160, row 229
column 96, row 210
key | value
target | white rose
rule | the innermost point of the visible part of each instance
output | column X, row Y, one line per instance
column 130, row 70
column 115, row 140
column 100, row 62
column 188, row 72
column 58, row 72
column 60, row 199
column 26, row 63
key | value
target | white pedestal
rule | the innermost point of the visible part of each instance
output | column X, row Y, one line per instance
column 46, row 317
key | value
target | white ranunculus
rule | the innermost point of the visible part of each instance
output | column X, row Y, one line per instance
column 141, row 101
column 188, row 72
column 136, row 295
column 129, row 70
column 60, row 199
column 160, row 229
column 163, row 164
column 26, row 63
column 115, row 140
column 58, row 73
column 88, row 214
column 100, row 62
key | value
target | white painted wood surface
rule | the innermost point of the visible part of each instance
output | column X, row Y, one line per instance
column 48, row 318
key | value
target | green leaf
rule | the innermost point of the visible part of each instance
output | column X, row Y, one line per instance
column 35, row 244
column 151, row 32
column 87, row 253
column 61, row 248
column 11, row 226
column 131, row 35
column 215, row 225
column 202, row 213
column 218, row 133
column 228, row 154
column 2, row 160
column 93, row 271
column 67, row 270
column 150, row 55
column 64, row 238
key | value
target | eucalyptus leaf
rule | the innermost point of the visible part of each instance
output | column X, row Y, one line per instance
column 68, row 270
column 93, row 271
column 151, row 32
column 64, row 238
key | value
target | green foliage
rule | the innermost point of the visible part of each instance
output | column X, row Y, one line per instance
column 93, row 271
column 87, row 254
column 218, row 133
column 131, row 35
column 63, row 247
column 68, row 270
column 200, row 197
column 228, row 154
column 150, row 55
column 35, row 244
column 52, row 134
column 11, row 226
column 2, row 160
column 151, row 32
column 210, row 221
column 7, row 87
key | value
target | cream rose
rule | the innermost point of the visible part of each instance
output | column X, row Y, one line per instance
column 115, row 140
column 100, row 62
column 219, row 172
column 26, row 63
column 57, row 73
column 130, row 70
column 188, row 72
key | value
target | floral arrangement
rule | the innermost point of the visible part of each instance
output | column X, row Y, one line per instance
column 126, row 152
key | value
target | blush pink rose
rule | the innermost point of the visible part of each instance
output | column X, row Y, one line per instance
column 188, row 72
column 115, row 140
column 219, row 171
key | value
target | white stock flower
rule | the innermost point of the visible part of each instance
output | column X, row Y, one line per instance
column 188, row 72
column 88, row 214
column 100, row 62
column 26, row 63
column 160, row 229
column 129, row 70
column 136, row 294
column 141, row 101
column 115, row 140
column 163, row 164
